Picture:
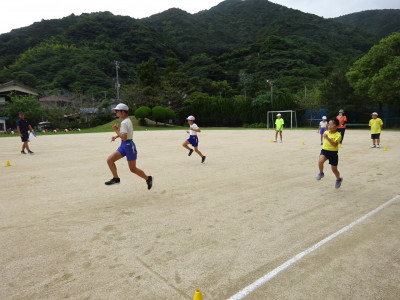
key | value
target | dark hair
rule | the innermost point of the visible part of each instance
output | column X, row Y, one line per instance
column 336, row 121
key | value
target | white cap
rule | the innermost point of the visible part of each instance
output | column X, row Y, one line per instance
column 341, row 111
column 278, row 115
column 324, row 118
column 191, row 118
column 374, row 113
column 121, row 106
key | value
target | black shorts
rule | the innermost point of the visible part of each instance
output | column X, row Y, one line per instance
column 332, row 156
column 375, row 136
column 25, row 138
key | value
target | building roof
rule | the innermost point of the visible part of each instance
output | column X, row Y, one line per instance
column 17, row 86
column 54, row 98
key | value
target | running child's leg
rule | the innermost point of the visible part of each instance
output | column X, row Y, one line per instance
column 185, row 145
column 276, row 135
column 322, row 159
column 336, row 172
column 280, row 133
column 111, row 162
column 137, row 171
column 196, row 149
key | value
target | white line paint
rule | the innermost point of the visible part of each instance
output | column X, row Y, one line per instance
column 261, row 281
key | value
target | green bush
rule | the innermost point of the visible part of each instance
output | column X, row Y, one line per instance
column 169, row 114
column 158, row 113
column 141, row 113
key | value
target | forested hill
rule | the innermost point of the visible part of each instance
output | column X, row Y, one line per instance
column 257, row 37
column 380, row 23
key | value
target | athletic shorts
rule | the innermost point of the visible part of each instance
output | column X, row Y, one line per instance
column 25, row 138
column 322, row 130
column 193, row 140
column 332, row 156
column 375, row 136
column 128, row 149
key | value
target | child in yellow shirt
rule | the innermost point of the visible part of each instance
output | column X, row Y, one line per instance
column 330, row 150
column 376, row 125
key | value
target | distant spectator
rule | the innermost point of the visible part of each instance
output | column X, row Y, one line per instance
column 23, row 126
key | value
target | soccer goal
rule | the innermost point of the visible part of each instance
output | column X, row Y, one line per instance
column 289, row 116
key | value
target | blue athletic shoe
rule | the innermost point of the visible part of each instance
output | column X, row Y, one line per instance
column 338, row 183
column 320, row 176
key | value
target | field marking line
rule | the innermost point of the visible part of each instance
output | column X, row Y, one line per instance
column 261, row 281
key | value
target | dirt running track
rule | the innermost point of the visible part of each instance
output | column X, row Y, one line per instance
column 217, row 226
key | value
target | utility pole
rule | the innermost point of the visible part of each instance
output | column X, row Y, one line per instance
column 271, row 83
column 117, row 85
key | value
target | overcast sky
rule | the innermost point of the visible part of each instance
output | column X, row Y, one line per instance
column 21, row 13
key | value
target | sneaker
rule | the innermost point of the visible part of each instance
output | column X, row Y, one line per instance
column 320, row 176
column 378, row 146
column 203, row 159
column 275, row 141
column 373, row 146
column 112, row 181
column 322, row 144
column 190, row 152
column 23, row 152
column 338, row 183
column 30, row 152
column 281, row 141
column 150, row 182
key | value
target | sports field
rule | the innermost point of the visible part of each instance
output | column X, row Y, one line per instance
column 218, row 226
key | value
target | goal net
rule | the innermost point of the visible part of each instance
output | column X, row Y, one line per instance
column 289, row 116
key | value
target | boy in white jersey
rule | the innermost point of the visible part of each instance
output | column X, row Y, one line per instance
column 322, row 128
column 193, row 140
column 127, row 148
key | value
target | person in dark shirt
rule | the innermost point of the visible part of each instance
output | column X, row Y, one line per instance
column 22, row 127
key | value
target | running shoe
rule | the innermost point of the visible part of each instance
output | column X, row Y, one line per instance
column 30, row 152
column 23, row 152
column 373, row 146
column 203, row 159
column 320, row 176
column 275, row 141
column 322, row 144
column 378, row 146
column 149, row 182
column 190, row 152
column 338, row 183
column 112, row 181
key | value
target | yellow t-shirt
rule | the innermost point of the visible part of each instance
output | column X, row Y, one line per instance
column 336, row 137
column 375, row 125
column 278, row 124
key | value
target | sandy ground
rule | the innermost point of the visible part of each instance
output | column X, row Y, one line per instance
column 217, row 226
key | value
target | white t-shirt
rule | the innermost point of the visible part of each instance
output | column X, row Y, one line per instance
column 127, row 128
column 193, row 126
column 323, row 124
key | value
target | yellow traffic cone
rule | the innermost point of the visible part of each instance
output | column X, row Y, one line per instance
column 8, row 164
column 302, row 143
column 385, row 149
column 197, row 295
column 272, row 141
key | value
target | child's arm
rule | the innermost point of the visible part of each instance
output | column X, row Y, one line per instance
column 319, row 128
column 197, row 130
column 333, row 143
column 122, row 136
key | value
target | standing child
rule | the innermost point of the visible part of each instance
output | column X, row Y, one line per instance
column 127, row 148
column 330, row 151
column 342, row 124
column 376, row 125
column 322, row 128
column 22, row 127
column 193, row 140
column 279, row 127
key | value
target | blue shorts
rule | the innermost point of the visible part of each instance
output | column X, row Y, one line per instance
column 193, row 140
column 375, row 136
column 322, row 130
column 332, row 156
column 128, row 149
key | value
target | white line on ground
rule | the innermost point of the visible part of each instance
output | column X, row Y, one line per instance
column 259, row 282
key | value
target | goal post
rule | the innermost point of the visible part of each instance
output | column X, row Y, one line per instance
column 286, row 116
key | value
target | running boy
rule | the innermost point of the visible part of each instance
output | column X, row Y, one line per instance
column 376, row 125
column 279, row 127
column 342, row 124
column 330, row 151
column 322, row 128
column 127, row 148
column 193, row 140
column 22, row 127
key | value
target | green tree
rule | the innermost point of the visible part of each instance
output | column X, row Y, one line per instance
column 31, row 107
column 377, row 74
column 143, row 112
column 148, row 73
